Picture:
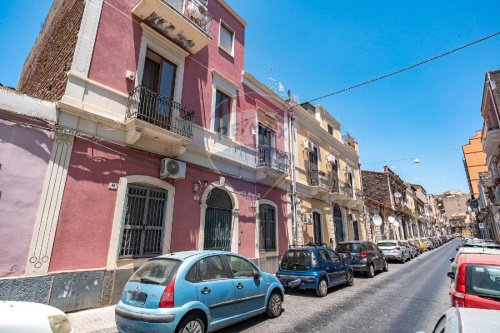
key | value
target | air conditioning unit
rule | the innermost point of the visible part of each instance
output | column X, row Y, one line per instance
column 331, row 158
column 308, row 145
column 171, row 168
column 307, row 218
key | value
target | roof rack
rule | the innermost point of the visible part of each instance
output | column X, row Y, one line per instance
column 314, row 244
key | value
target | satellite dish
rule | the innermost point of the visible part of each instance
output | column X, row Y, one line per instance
column 391, row 219
column 397, row 194
column 377, row 220
column 416, row 161
column 396, row 223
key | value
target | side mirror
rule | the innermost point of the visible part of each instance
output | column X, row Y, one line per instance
column 451, row 275
column 452, row 259
column 256, row 275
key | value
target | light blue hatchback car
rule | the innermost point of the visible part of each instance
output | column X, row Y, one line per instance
column 196, row 292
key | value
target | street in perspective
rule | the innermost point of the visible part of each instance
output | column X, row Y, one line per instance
column 193, row 166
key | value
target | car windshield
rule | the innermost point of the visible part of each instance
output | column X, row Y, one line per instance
column 296, row 260
column 158, row 272
column 484, row 281
column 349, row 247
column 387, row 244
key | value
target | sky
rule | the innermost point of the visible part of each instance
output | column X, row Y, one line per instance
column 316, row 47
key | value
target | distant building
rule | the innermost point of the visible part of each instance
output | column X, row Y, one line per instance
column 474, row 161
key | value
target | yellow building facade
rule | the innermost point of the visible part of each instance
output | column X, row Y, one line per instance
column 326, row 179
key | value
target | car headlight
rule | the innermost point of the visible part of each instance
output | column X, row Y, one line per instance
column 59, row 324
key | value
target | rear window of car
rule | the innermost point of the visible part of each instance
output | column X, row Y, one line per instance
column 159, row 272
column 386, row 244
column 349, row 247
column 296, row 260
column 483, row 281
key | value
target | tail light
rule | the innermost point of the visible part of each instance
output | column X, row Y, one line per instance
column 397, row 248
column 167, row 298
column 363, row 254
column 460, row 288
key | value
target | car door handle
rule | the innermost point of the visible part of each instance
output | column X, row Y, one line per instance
column 239, row 286
column 205, row 290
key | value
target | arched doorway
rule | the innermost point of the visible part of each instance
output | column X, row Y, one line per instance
column 338, row 224
column 218, row 221
column 318, row 236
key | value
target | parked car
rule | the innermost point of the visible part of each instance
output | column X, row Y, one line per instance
column 413, row 252
column 429, row 244
column 470, row 250
column 416, row 247
column 196, row 291
column 394, row 250
column 29, row 317
column 316, row 267
column 476, row 281
column 479, row 243
column 421, row 244
column 460, row 320
column 365, row 256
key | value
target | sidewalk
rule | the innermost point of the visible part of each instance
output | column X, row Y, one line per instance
column 100, row 320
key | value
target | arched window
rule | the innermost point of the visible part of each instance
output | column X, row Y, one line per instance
column 338, row 224
column 218, row 221
column 267, row 218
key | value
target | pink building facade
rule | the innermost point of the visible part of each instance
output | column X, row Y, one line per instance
column 169, row 145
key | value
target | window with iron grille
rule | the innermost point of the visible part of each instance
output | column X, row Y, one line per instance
column 144, row 222
column 267, row 217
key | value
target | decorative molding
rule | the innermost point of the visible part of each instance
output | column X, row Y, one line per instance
column 86, row 37
column 50, row 204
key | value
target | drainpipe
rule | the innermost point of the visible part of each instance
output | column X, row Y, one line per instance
column 293, row 196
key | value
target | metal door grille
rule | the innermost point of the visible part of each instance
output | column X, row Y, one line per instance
column 337, row 220
column 267, row 217
column 218, row 221
column 144, row 222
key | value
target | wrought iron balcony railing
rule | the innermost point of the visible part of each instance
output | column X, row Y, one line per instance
column 196, row 13
column 149, row 106
column 272, row 158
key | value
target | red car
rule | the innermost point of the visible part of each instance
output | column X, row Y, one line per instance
column 476, row 281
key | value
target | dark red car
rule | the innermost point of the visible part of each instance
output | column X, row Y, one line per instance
column 476, row 283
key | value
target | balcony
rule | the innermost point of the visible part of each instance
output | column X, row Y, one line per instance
column 186, row 22
column 271, row 162
column 491, row 139
column 152, row 115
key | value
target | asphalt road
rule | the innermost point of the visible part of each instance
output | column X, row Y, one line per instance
column 409, row 298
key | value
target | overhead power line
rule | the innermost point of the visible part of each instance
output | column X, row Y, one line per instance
column 405, row 68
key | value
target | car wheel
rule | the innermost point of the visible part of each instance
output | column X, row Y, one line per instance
column 322, row 288
column 191, row 324
column 371, row 271
column 274, row 305
column 403, row 259
column 386, row 266
column 350, row 278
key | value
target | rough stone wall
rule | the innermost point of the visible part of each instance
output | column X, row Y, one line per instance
column 44, row 71
column 375, row 186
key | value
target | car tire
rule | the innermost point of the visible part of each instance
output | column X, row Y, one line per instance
column 371, row 271
column 322, row 288
column 403, row 259
column 386, row 266
column 350, row 278
column 274, row 305
column 191, row 323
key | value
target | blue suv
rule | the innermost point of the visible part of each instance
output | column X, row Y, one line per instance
column 196, row 291
column 314, row 266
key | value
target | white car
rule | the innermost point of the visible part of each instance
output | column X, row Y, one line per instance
column 468, row 320
column 28, row 317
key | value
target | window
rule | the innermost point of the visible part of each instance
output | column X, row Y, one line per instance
column 211, row 268
column 330, row 129
column 158, row 272
column 267, row 218
column 222, row 113
column 334, row 257
column 266, row 136
column 144, row 221
column 226, row 40
column 159, row 75
column 240, row 267
column 324, row 255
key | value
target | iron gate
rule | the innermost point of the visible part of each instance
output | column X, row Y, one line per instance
column 337, row 221
column 144, row 222
column 218, row 221
column 267, row 217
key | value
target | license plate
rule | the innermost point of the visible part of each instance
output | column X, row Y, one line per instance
column 137, row 296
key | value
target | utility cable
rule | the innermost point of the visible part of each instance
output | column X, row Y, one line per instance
column 405, row 68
